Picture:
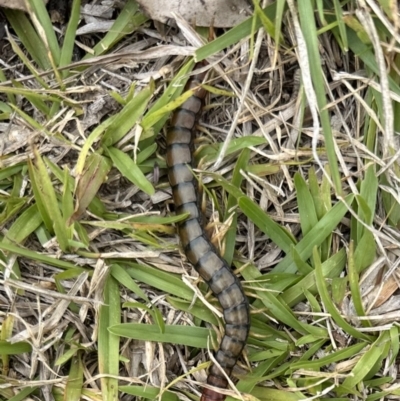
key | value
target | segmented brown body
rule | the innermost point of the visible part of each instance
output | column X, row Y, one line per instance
column 198, row 249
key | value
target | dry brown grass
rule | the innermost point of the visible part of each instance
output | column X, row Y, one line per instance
column 315, row 227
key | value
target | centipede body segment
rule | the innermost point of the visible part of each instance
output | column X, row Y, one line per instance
column 198, row 249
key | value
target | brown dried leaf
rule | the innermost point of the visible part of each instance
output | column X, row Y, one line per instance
column 374, row 292
column 387, row 290
column 216, row 13
column 95, row 172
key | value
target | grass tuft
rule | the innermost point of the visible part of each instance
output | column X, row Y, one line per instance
column 297, row 161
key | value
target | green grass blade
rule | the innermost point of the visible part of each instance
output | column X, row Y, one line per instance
column 92, row 138
column 266, row 394
column 25, row 224
column 6, row 348
column 127, row 117
column 37, row 100
column 368, row 191
column 23, row 394
column 152, row 118
column 149, row 393
column 168, row 282
column 67, row 202
column 69, row 38
column 26, row 62
column 237, row 179
column 128, row 20
column 73, row 388
column 330, row 307
column 185, row 335
column 174, row 89
column 130, row 170
column 316, row 236
column 52, row 261
column 306, row 14
column 277, row 307
column 28, row 36
column 334, row 357
column 330, row 268
column 41, row 20
column 354, row 281
column 267, row 23
column 394, row 338
column 88, row 183
column 108, row 352
column 210, row 153
column 367, row 361
column 234, row 35
column 197, row 309
column 307, row 212
column 341, row 24
column 125, row 279
column 46, row 196
column 365, row 252
column 276, row 232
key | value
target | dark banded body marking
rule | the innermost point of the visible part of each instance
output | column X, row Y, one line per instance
column 198, row 249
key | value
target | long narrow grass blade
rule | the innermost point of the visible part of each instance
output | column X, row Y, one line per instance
column 367, row 362
column 354, row 281
column 149, row 393
column 130, row 170
column 237, row 179
column 28, row 36
column 109, row 316
column 42, row 22
column 26, row 223
column 46, row 197
column 89, row 182
column 307, row 212
column 126, row 280
column 330, row 307
column 127, row 117
column 69, row 38
column 128, row 20
column 309, row 30
column 184, row 335
column 52, row 261
column 316, row 236
column 168, row 282
column 234, row 35
column 73, row 389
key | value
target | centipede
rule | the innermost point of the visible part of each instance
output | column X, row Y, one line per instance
column 198, row 248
